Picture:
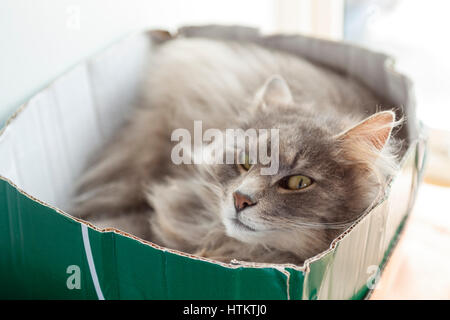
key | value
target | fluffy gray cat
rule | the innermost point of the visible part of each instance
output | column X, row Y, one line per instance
column 335, row 156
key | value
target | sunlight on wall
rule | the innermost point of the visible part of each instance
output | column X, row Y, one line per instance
column 42, row 39
column 415, row 33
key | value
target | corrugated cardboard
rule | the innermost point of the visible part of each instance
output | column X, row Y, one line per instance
column 44, row 147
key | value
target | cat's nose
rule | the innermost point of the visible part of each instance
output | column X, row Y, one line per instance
column 242, row 201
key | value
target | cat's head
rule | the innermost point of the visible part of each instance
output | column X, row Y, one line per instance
column 331, row 168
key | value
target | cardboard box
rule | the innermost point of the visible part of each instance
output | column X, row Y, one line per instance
column 46, row 253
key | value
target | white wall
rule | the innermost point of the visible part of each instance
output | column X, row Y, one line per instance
column 415, row 33
column 40, row 39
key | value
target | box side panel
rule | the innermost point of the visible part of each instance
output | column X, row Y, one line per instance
column 25, row 158
column 371, row 283
column 239, row 33
column 187, row 279
column 296, row 279
column 42, row 252
column 49, row 143
column 116, row 78
column 128, row 269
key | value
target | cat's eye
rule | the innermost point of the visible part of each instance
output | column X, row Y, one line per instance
column 246, row 163
column 296, row 182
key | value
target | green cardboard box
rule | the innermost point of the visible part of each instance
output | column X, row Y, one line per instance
column 46, row 253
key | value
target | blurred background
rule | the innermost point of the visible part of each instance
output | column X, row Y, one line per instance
column 39, row 40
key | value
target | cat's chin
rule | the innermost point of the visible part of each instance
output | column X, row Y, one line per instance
column 234, row 228
column 237, row 229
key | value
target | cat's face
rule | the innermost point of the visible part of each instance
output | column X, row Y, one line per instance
column 318, row 190
column 311, row 188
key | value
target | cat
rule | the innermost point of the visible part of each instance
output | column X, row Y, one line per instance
column 335, row 155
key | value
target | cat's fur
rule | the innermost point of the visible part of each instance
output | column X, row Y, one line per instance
column 133, row 184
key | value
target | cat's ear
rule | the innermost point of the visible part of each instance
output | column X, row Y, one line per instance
column 275, row 91
column 371, row 134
